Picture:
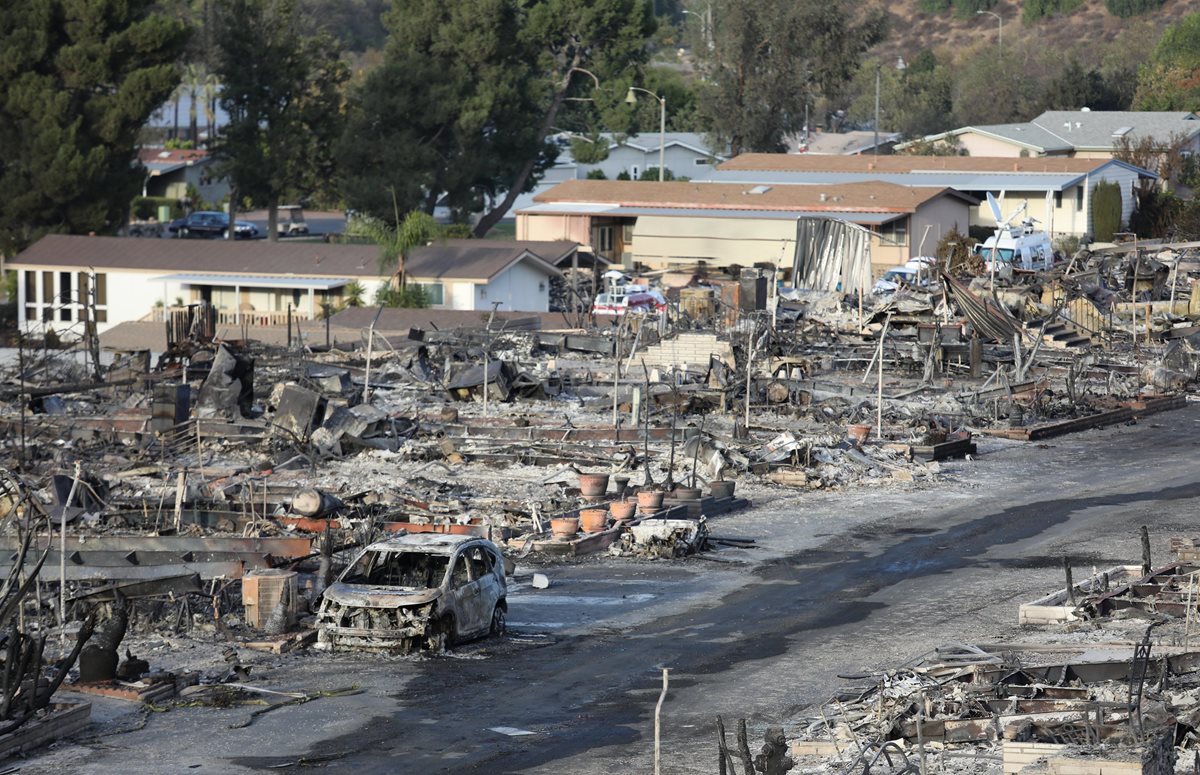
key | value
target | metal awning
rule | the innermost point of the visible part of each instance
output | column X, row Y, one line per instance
column 257, row 281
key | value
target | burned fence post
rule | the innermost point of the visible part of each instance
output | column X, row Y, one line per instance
column 1070, row 582
column 1145, row 551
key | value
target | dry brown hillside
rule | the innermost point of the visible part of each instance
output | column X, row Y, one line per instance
column 913, row 30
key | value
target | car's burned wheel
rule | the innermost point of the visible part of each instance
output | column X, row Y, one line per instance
column 499, row 624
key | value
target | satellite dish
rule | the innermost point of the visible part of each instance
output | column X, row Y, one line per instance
column 992, row 203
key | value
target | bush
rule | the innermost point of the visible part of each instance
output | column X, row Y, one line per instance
column 146, row 207
column 651, row 173
column 1155, row 214
column 410, row 296
column 1106, row 211
column 596, row 174
column 1127, row 8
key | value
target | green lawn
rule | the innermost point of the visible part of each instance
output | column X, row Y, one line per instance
column 503, row 230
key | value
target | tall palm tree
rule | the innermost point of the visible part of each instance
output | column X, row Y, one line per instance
column 176, row 96
column 211, row 87
column 193, row 82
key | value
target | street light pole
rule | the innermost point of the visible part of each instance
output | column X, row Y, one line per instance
column 631, row 99
column 999, row 27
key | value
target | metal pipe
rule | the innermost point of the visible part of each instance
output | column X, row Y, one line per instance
column 658, row 724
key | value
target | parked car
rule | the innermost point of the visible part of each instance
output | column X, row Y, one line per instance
column 208, row 223
column 415, row 592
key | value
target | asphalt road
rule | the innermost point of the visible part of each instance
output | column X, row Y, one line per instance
column 842, row 581
column 587, row 698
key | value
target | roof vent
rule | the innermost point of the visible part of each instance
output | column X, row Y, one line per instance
column 759, row 190
column 823, row 197
column 1078, row 124
column 164, row 154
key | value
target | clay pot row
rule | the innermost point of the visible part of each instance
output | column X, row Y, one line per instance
column 596, row 485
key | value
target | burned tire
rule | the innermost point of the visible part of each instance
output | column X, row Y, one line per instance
column 499, row 622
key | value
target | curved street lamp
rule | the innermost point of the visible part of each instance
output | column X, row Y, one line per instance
column 999, row 27
column 631, row 99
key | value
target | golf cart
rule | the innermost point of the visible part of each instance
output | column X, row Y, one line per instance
column 291, row 220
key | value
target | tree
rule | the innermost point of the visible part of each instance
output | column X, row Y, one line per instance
column 395, row 240
column 1106, row 210
column 914, row 101
column 770, row 61
column 282, row 91
column 1076, row 87
column 1170, row 80
column 469, row 92
column 77, row 83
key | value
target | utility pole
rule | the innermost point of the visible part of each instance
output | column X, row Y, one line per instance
column 875, row 149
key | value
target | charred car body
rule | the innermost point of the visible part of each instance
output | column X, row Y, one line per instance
column 415, row 592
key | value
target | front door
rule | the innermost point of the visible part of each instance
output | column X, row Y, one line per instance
column 465, row 590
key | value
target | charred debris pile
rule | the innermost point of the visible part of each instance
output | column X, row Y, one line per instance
column 218, row 488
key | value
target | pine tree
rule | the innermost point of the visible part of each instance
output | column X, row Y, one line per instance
column 78, row 80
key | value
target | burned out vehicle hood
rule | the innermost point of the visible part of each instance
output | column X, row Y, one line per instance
column 366, row 596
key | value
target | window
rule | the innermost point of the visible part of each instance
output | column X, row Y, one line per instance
column 101, row 290
column 702, row 162
column 1079, row 199
column 541, row 285
column 30, row 287
column 635, row 172
column 435, row 291
column 894, row 233
column 460, row 578
column 604, row 239
column 1058, row 199
column 482, row 292
column 480, row 563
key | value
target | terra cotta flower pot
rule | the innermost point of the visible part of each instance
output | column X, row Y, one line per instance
column 593, row 484
column 622, row 509
column 721, row 489
column 593, row 520
column 564, row 527
column 650, row 501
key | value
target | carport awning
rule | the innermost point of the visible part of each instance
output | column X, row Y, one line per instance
column 257, row 281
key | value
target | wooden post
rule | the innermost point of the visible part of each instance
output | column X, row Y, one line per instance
column 976, row 357
column 1070, row 582
column 749, row 371
column 879, row 396
column 1145, row 551
column 62, row 556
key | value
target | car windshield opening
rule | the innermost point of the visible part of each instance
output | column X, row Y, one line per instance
column 411, row 570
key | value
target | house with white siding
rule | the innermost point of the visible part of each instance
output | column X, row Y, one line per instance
column 468, row 274
column 60, row 277
column 1056, row 191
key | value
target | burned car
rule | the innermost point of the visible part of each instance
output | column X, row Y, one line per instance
column 415, row 592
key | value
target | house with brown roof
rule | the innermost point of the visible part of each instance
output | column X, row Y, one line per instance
column 1055, row 191
column 127, row 279
column 469, row 274
column 659, row 225
column 169, row 172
